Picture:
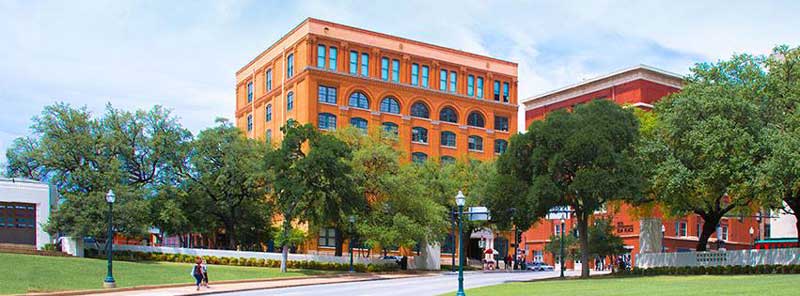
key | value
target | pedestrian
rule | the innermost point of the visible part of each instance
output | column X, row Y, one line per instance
column 508, row 261
column 197, row 272
column 205, row 273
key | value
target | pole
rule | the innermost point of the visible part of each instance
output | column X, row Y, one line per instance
column 350, row 246
column 516, row 246
column 562, row 250
column 460, row 253
column 453, row 232
column 109, row 281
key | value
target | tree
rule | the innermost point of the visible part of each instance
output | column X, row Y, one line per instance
column 311, row 180
column 579, row 160
column 708, row 143
column 602, row 240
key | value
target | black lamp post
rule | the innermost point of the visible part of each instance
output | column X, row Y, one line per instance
column 460, row 200
column 752, row 231
column 561, row 245
column 350, row 244
column 109, row 281
column 453, row 248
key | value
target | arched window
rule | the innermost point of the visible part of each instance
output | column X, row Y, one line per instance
column 419, row 135
column 448, row 115
column 448, row 139
column 475, row 143
column 269, row 112
column 359, row 123
column 419, row 109
column 327, row 121
column 390, row 105
column 419, row 157
column 500, row 146
column 446, row 159
column 391, row 128
column 475, row 119
column 290, row 101
column 359, row 100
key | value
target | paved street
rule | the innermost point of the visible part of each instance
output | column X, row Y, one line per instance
column 418, row 286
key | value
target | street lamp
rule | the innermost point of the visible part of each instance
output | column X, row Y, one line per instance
column 350, row 244
column 453, row 232
column 752, row 231
column 460, row 200
column 109, row 281
column 663, row 232
column 562, row 247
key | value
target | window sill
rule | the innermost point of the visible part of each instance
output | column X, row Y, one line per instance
column 473, row 150
column 421, row 143
column 327, row 103
column 449, row 147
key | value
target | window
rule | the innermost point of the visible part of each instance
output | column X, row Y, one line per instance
column 448, row 115
column 425, row 71
column 391, row 128
column 453, row 81
column 471, row 85
column 443, row 80
column 269, row 134
column 332, row 59
column 359, row 123
column 500, row 146
column 269, row 112
column 505, row 92
column 682, row 229
column 475, row 143
column 419, row 135
column 475, row 119
column 419, row 157
column 364, row 64
column 699, row 228
column 327, row 237
column 269, row 79
column 250, row 122
column 448, row 139
column 557, row 230
column 249, row 91
column 290, row 65
column 445, row 160
column 359, row 100
column 419, row 109
column 327, row 121
column 479, row 90
column 290, row 101
column 497, row 90
column 390, row 105
column 414, row 74
column 724, row 232
column 385, row 68
column 500, row 123
column 353, row 62
column 327, row 94
column 395, row 70
column 321, row 56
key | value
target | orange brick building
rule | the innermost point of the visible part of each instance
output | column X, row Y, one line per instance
column 638, row 86
column 442, row 103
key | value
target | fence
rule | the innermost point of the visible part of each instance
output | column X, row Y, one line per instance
column 738, row 257
column 239, row 254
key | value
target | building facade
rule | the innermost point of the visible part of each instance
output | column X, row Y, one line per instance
column 640, row 87
column 25, row 207
column 442, row 104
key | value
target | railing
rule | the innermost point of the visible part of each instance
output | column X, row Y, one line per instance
column 738, row 257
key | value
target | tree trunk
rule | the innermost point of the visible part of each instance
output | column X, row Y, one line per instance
column 287, row 224
column 794, row 205
column 709, row 227
column 583, row 235
column 339, row 238
column 231, row 234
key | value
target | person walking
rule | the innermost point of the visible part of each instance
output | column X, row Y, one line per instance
column 197, row 272
column 205, row 273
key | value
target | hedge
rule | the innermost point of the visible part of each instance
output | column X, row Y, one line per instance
column 713, row 270
column 233, row 261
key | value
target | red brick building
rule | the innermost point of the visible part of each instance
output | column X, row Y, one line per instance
column 638, row 86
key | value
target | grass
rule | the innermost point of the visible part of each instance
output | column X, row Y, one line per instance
column 715, row 285
column 30, row 273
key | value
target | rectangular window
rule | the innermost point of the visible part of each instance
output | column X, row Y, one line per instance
column 269, row 79
column 471, row 85
column 414, row 74
column 479, row 90
column 249, row 91
column 699, row 229
column 327, row 94
column 453, row 79
column 290, row 66
column 250, row 122
column 682, row 229
column 353, row 62
column 505, row 92
column 327, row 237
column 425, row 76
column 497, row 90
column 332, row 59
column 501, row 123
column 443, row 80
column 364, row 64
column 385, row 68
column 557, row 231
column 395, row 70
column 321, row 56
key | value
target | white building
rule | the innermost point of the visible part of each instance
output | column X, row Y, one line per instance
column 783, row 226
column 24, row 210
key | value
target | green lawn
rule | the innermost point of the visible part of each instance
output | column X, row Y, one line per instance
column 657, row 285
column 29, row 273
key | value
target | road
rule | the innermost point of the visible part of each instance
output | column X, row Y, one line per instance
column 417, row 286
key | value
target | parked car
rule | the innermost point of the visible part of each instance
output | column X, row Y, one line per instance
column 539, row 266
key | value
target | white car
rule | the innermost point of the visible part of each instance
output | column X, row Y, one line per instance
column 539, row 266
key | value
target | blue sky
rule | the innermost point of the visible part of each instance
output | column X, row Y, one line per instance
column 183, row 54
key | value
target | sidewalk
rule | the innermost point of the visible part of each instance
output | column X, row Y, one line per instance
column 232, row 286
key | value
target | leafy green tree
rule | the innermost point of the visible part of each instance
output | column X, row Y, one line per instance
column 572, row 248
column 602, row 240
column 708, row 143
column 579, row 159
